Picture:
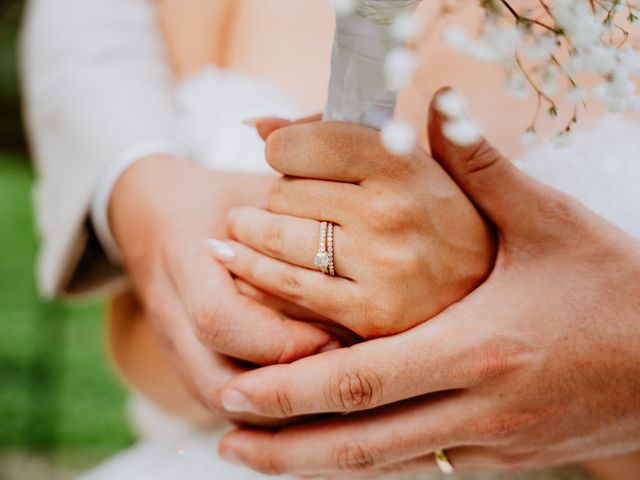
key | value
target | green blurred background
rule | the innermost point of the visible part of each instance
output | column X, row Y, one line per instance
column 61, row 407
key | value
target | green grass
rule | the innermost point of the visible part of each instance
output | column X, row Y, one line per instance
column 58, row 397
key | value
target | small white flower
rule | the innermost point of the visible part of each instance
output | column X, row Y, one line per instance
column 562, row 140
column 452, row 104
column 599, row 59
column 575, row 64
column 502, row 42
column 344, row 7
column 463, row 132
column 399, row 67
column 543, row 47
column 629, row 59
column 515, row 85
column 529, row 138
column 457, row 39
column 600, row 90
column 399, row 137
column 577, row 95
column 549, row 84
column 404, row 27
column 580, row 25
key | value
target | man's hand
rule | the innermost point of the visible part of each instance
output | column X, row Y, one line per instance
column 537, row 367
column 161, row 211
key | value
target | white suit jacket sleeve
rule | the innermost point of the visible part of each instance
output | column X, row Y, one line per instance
column 96, row 83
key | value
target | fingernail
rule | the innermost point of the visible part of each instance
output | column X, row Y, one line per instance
column 234, row 401
column 231, row 456
column 233, row 213
column 220, row 250
column 253, row 122
column 332, row 345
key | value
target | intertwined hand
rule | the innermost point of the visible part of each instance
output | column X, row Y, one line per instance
column 538, row 366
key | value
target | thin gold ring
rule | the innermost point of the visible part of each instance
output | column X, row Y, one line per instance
column 443, row 462
column 330, row 240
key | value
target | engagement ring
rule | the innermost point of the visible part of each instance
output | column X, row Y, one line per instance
column 324, row 256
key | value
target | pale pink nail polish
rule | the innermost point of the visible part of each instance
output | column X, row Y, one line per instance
column 220, row 250
column 252, row 122
column 234, row 401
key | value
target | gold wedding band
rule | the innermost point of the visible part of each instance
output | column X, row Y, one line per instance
column 443, row 462
column 324, row 256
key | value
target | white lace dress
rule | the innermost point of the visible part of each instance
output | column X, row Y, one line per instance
column 601, row 168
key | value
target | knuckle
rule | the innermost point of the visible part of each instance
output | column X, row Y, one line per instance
column 482, row 158
column 290, row 285
column 504, row 427
column 402, row 262
column 273, row 239
column 282, row 400
column 356, row 389
column 390, row 211
column 277, row 193
column 208, row 323
column 379, row 318
column 274, row 145
column 352, row 456
column 270, row 466
column 500, row 358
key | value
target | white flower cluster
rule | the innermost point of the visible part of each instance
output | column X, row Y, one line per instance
column 459, row 127
column 546, row 47
column 542, row 44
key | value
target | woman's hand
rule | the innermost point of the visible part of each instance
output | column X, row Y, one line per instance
column 539, row 366
column 161, row 211
column 407, row 241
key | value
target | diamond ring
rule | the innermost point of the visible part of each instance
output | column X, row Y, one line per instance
column 324, row 256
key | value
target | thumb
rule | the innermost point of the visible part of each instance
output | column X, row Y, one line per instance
column 267, row 125
column 491, row 181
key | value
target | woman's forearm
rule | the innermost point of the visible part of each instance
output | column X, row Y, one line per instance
column 96, row 81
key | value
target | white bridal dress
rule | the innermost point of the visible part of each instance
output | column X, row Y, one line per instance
column 601, row 167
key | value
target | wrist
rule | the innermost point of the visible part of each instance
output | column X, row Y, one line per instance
column 138, row 204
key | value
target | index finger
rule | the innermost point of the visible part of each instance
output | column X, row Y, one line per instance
column 236, row 325
column 339, row 151
column 432, row 357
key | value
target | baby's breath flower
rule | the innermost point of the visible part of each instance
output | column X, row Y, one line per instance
column 543, row 47
column 577, row 95
column 529, row 137
column 399, row 137
column 404, row 27
column 452, row 104
column 555, row 43
column 399, row 67
column 515, row 85
column 463, row 132
column 457, row 39
column 562, row 140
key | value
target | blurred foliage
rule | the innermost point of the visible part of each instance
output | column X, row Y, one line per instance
column 58, row 398
column 11, row 124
